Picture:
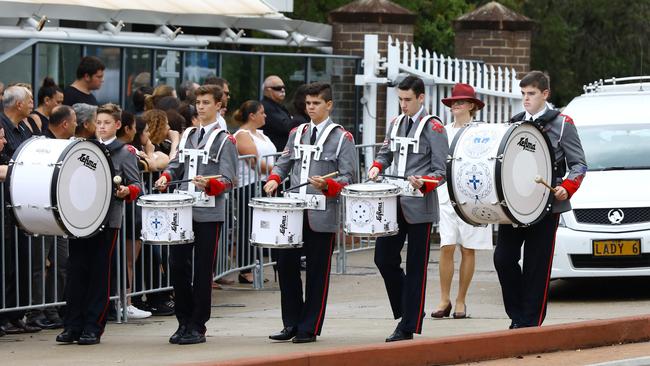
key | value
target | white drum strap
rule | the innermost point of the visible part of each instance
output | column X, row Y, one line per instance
column 304, row 152
column 181, row 145
column 402, row 144
column 213, row 136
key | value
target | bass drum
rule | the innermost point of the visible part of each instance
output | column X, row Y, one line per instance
column 61, row 187
column 491, row 174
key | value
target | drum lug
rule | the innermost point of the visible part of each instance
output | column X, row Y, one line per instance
column 451, row 158
column 58, row 164
column 498, row 157
column 18, row 205
column 53, row 208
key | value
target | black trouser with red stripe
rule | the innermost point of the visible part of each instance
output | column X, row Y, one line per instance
column 88, row 281
column 406, row 291
column 193, row 291
column 525, row 292
column 308, row 314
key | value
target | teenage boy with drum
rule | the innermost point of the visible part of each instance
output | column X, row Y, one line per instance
column 89, row 264
column 525, row 292
column 313, row 150
column 212, row 175
column 418, row 150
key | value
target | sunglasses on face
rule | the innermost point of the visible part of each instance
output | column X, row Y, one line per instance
column 277, row 88
column 459, row 102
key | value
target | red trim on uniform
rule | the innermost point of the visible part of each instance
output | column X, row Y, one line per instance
column 215, row 187
column 333, row 188
column 214, row 252
column 567, row 119
column 274, row 177
column 328, row 268
column 108, row 294
column 548, row 274
column 428, row 186
column 572, row 185
column 134, row 192
column 169, row 179
column 418, row 329
column 437, row 127
column 378, row 165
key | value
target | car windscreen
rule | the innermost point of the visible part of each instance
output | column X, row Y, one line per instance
column 616, row 147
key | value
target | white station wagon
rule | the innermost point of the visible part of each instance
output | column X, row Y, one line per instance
column 608, row 231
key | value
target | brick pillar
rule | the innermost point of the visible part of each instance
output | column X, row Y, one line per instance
column 495, row 34
column 351, row 22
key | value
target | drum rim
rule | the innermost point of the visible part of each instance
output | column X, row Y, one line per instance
column 10, row 169
column 450, row 162
column 175, row 242
column 186, row 201
column 390, row 192
column 498, row 170
column 366, row 235
column 298, row 205
column 275, row 246
column 55, row 179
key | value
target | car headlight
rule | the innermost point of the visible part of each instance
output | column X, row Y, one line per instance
column 561, row 223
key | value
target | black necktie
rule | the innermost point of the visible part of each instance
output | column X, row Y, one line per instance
column 314, row 132
column 201, row 135
column 408, row 129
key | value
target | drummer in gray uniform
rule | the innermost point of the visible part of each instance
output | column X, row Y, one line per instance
column 313, row 150
column 416, row 146
column 208, row 156
column 525, row 292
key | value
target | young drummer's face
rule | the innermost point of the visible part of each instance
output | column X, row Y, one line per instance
column 533, row 99
column 409, row 103
column 317, row 108
column 207, row 108
column 106, row 126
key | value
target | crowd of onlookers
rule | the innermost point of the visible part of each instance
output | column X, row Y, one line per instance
column 152, row 129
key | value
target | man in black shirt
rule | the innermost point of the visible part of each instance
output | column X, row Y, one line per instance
column 18, row 104
column 278, row 120
column 90, row 76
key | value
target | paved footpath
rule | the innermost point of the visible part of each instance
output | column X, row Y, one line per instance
column 358, row 314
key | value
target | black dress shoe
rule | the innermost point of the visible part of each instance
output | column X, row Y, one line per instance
column 180, row 332
column 399, row 335
column 43, row 324
column 9, row 328
column 192, row 337
column 162, row 308
column 68, row 336
column 55, row 323
column 19, row 323
column 88, row 338
column 304, row 337
column 285, row 334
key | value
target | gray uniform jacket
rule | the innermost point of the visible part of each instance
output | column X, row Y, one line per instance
column 223, row 161
column 568, row 152
column 125, row 164
column 345, row 162
column 430, row 161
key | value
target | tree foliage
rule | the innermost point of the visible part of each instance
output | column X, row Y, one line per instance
column 575, row 41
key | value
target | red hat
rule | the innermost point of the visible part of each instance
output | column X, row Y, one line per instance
column 463, row 92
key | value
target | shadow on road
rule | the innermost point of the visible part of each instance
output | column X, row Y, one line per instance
column 600, row 289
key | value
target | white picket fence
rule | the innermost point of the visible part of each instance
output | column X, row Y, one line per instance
column 497, row 87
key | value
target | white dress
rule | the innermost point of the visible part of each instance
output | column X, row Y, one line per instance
column 264, row 147
column 453, row 230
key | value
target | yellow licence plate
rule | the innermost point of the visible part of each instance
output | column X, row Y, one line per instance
column 613, row 248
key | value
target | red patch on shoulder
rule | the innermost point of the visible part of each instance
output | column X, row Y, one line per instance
column 437, row 126
column 349, row 136
column 132, row 149
column 567, row 119
column 393, row 121
column 293, row 130
column 232, row 139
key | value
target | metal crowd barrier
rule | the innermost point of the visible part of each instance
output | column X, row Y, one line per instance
column 142, row 270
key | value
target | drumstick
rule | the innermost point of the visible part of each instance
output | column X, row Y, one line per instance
column 540, row 180
column 405, row 178
column 430, row 180
column 329, row 175
column 189, row 180
column 117, row 180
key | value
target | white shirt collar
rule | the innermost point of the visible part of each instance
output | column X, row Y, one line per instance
column 208, row 127
column 417, row 115
column 109, row 141
column 536, row 115
column 318, row 127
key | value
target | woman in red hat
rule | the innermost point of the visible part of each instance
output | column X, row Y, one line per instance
column 453, row 230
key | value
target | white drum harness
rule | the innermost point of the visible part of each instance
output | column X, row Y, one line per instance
column 193, row 156
column 305, row 152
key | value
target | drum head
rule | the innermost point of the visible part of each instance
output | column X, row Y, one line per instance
column 279, row 202
column 371, row 187
column 83, row 188
column 526, row 154
column 165, row 199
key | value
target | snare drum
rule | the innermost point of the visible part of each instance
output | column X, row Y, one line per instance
column 166, row 218
column 277, row 222
column 491, row 176
column 61, row 187
column 370, row 209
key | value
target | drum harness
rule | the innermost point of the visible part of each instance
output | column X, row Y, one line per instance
column 193, row 155
column 401, row 145
column 304, row 152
